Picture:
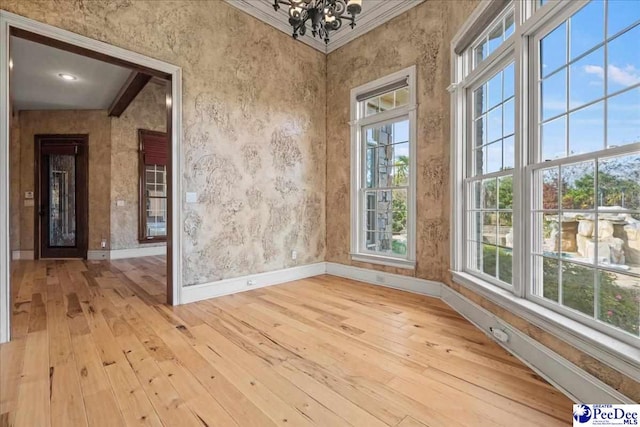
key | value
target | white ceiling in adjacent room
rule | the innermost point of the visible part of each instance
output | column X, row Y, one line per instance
column 374, row 13
column 36, row 83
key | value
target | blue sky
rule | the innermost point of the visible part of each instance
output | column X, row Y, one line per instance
column 586, row 75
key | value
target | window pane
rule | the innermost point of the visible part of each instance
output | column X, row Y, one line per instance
column 489, row 193
column 509, row 117
column 619, row 183
column 586, row 129
column 554, row 139
column 620, row 15
column 509, row 75
column 490, row 227
column 505, row 192
column 489, row 259
column 548, row 239
column 550, row 277
column 623, row 118
column 623, row 58
column 481, row 131
column 586, row 78
column 577, row 287
column 508, row 155
column 509, row 25
column 494, row 131
column 505, row 265
column 553, row 49
column 494, row 89
column 479, row 53
column 495, row 37
column 578, row 186
column 554, row 94
column 156, row 217
column 550, row 188
column 480, row 100
column 587, row 28
column 402, row 97
column 619, row 296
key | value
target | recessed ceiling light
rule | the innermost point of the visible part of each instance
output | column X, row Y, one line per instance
column 68, row 77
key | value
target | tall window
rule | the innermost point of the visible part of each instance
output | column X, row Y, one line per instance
column 154, row 147
column 383, row 163
column 548, row 129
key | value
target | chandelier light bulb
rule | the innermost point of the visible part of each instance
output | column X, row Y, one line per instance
column 322, row 17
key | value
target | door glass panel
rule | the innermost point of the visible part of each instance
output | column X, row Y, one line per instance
column 62, row 200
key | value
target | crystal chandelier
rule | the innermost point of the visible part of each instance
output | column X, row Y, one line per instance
column 324, row 15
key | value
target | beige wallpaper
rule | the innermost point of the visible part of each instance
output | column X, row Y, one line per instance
column 253, row 120
column 147, row 111
column 14, row 180
column 255, row 135
column 421, row 36
column 92, row 122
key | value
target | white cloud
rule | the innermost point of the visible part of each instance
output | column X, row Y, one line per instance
column 594, row 69
column 626, row 76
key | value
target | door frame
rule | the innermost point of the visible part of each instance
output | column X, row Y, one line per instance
column 66, row 40
column 82, row 220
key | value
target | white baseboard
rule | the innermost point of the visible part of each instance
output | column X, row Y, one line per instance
column 576, row 383
column 97, row 255
column 395, row 281
column 137, row 252
column 240, row 284
column 17, row 255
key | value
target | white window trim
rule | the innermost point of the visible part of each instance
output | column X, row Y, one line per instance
column 603, row 343
column 357, row 123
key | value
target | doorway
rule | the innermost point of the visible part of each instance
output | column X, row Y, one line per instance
column 61, row 196
column 12, row 25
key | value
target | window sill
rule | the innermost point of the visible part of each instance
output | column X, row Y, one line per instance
column 382, row 260
column 153, row 240
column 619, row 355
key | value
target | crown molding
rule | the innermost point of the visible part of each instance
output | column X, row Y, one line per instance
column 378, row 14
column 263, row 10
column 374, row 14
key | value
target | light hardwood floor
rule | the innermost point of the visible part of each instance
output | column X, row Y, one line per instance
column 94, row 345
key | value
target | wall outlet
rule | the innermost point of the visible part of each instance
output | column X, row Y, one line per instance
column 120, row 203
column 103, row 243
column 251, row 282
column 294, row 255
column 499, row 334
column 379, row 278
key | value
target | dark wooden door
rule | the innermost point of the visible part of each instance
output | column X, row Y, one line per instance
column 62, row 196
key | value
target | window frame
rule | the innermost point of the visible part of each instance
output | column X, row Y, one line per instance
column 359, row 122
column 142, row 196
column 531, row 20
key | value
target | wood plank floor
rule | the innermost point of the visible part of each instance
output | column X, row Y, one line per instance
column 94, row 345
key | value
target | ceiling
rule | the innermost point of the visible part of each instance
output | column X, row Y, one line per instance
column 35, row 84
column 374, row 13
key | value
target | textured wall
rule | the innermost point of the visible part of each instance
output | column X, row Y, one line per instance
column 421, row 36
column 92, row 122
column 253, row 120
column 14, row 179
column 147, row 111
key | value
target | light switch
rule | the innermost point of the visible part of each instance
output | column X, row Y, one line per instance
column 29, row 202
column 28, row 195
column 120, row 203
column 192, row 197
